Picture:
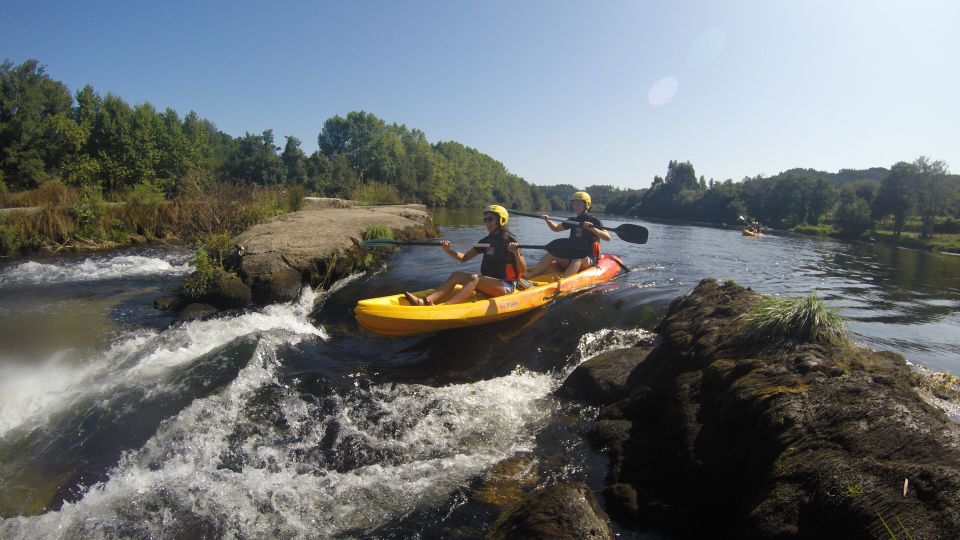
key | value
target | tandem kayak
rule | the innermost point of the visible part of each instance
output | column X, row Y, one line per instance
column 747, row 232
column 394, row 316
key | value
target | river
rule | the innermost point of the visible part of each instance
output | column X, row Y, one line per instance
column 289, row 421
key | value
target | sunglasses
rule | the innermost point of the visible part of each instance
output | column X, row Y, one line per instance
column 489, row 219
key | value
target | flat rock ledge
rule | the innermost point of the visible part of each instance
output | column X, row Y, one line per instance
column 712, row 436
column 316, row 246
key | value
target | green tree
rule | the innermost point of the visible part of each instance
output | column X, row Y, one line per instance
column 294, row 161
column 255, row 160
column 933, row 192
column 896, row 196
column 852, row 216
column 28, row 96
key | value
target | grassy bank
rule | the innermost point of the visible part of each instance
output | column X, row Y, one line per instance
column 57, row 218
column 947, row 243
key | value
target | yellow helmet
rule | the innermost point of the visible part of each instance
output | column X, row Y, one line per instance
column 500, row 211
column 581, row 196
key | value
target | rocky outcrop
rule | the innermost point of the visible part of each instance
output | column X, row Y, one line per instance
column 316, row 246
column 724, row 438
column 562, row 511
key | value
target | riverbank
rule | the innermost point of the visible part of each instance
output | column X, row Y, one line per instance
column 57, row 218
column 942, row 243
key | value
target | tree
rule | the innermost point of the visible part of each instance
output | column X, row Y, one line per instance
column 933, row 192
column 852, row 215
column 895, row 195
column 294, row 161
column 681, row 176
column 28, row 96
column 255, row 160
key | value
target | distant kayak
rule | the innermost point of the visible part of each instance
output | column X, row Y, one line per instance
column 394, row 316
column 747, row 232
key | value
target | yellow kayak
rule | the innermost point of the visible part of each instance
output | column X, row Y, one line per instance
column 747, row 232
column 394, row 316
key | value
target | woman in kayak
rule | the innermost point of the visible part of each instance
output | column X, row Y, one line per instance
column 588, row 232
column 501, row 267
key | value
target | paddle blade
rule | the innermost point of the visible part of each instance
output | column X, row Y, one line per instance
column 569, row 248
column 635, row 234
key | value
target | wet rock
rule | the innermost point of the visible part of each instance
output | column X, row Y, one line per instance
column 163, row 303
column 196, row 311
column 229, row 292
column 733, row 439
column 560, row 511
column 507, row 481
column 318, row 246
column 602, row 379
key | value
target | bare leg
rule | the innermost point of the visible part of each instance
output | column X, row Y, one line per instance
column 575, row 266
column 456, row 278
column 487, row 285
column 465, row 291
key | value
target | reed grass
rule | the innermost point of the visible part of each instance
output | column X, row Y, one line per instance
column 377, row 231
column 65, row 218
column 794, row 320
column 372, row 193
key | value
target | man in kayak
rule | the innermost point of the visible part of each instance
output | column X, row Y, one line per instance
column 587, row 232
column 501, row 267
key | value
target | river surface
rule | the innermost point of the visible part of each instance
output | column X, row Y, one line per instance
column 289, row 421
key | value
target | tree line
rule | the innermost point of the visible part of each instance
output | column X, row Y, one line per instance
column 853, row 201
column 87, row 139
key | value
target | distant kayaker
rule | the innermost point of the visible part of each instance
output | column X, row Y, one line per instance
column 580, row 203
column 501, row 267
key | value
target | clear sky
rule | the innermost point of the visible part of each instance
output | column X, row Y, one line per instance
column 598, row 92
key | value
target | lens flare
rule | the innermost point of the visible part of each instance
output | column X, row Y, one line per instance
column 663, row 91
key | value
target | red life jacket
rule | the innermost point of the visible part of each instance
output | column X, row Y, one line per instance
column 498, row 262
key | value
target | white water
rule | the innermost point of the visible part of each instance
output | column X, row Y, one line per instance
column 30, row 393
column 421, row 444
column 96, row 268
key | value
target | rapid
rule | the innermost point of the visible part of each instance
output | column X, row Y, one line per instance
column 290, row 421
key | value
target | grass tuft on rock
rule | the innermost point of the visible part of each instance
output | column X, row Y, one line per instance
column 377, row 231
column 794, row 320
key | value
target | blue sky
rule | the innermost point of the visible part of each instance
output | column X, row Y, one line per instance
column 603, row 92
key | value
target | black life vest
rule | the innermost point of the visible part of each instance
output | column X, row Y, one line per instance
column 579, row 233
column 497, row 261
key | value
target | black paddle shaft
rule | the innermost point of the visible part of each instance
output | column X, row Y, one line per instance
column 628, row 232
column 564, row 248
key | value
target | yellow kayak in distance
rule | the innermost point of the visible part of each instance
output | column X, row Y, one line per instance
column 394, row 316
column 747, row 232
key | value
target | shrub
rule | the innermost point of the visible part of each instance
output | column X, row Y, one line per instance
column 146, row 194
column 295, row 195
column 9, row 238
column 375, row 193
column 218, row 247
column 90, row 206
column 794, row 320
column 198, row 284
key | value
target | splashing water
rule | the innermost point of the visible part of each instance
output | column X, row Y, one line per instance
column 95, row 269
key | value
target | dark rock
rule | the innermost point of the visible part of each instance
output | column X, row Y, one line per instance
column 609, row 433
column 229, row 292
column 163, row 303
column 196, row 311
column 602, row 379
column 557, row 512
column 733, row 439
column 279, row 285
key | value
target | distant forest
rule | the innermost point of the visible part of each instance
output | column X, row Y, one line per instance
column 92, row 141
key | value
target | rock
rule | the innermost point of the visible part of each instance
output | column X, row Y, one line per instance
column 602, row 379
column 196, row 311
column 164, row 303
column 318, row 246
column 229, row 292
column 732, row 439
column 557, row 512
